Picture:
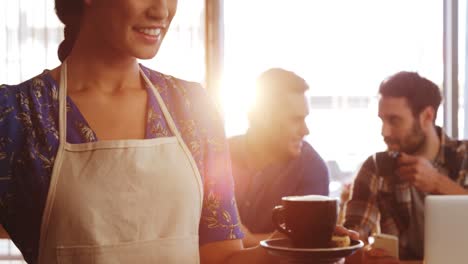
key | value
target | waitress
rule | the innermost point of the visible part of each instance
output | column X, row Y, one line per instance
column 105, row 161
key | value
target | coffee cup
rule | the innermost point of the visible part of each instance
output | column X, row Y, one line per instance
column 308, row 221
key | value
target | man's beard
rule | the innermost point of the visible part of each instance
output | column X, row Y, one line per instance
column 413, row 142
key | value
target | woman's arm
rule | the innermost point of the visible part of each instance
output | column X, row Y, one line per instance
column 253, row 239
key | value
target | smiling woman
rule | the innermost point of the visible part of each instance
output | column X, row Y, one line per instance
column 130, row 33
column 32, row 32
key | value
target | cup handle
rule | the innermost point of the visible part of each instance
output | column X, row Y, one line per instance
column 277, row 217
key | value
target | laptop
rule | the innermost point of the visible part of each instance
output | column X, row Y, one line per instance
column 446, row 229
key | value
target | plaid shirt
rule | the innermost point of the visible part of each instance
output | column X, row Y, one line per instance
column 380, row 201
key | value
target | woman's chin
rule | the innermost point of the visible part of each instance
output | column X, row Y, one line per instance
column 146, row 55
column 145, row 52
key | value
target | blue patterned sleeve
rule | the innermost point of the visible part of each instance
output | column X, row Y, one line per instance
column 219, row 220
column 6, row 112
column 8, row 127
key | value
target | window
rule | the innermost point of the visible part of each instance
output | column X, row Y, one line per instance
column 30, row 33
column 343, row 49
column 462, row 67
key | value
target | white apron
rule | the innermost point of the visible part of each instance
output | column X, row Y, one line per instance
column 122, row 201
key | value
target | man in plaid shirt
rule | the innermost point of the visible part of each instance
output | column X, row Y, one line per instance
column 389, row 190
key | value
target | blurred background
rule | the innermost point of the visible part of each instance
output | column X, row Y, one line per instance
column 342, row 48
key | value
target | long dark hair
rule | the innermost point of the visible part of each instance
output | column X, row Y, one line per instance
column 69, row 12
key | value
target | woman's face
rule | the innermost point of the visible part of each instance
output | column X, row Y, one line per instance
column 131, row 27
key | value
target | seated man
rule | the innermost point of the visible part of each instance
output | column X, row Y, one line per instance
column 390, row 188
column 271, row 160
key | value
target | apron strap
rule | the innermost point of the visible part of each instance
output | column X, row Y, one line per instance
column 58, row 160
column 175, row 131
column 63, row 103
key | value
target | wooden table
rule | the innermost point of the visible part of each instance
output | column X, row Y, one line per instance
column 411, row 262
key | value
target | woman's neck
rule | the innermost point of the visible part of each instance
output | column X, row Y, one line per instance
column 92, row 64
column 107, row 76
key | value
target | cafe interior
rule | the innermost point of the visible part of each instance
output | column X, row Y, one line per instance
column 343, row 50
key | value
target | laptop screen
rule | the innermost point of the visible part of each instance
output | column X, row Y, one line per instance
column 446, row 229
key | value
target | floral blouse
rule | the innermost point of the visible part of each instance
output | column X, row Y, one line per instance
column 29, row 142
